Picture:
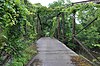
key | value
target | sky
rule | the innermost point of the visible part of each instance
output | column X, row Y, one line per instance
column 46, row 2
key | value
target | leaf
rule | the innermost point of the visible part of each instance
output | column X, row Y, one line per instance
column 17, row 1
column 28, row 23
column 17, row 64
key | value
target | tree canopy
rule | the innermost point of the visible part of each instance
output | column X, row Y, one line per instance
column 21, row 23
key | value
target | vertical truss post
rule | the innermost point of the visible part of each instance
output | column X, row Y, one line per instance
column 39, row 26
column 73, row 27
column 58, row 29
column 63, row 25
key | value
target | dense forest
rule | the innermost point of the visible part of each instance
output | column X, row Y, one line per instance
column 22, row 23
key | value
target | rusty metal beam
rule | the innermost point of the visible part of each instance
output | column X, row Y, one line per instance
column 73, row 26
column 86, row 2
column 86, row 50
column 87, row 25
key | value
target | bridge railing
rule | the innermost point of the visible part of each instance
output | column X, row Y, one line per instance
column 74, row 33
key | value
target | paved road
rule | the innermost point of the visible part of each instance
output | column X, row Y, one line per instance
column 52, row 52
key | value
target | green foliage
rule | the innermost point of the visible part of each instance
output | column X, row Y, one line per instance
column 21, row 22
column 17, row 64
column 27, row 54
column 14, row 37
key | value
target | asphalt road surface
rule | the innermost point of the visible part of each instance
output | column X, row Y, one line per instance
column 52, row 52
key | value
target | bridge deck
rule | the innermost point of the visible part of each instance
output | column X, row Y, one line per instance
column 52, row 52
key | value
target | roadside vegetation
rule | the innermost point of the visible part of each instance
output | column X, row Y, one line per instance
column 22, row 23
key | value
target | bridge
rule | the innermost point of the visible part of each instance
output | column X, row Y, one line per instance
column 52, row 52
